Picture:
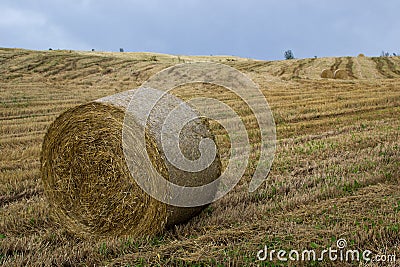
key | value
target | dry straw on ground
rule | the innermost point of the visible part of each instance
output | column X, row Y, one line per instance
column 87, row 181
column 327, row 74
column 341, row 74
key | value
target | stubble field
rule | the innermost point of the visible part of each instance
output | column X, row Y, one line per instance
column 336, row 172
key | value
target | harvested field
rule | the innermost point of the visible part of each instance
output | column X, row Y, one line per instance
column 336, row 172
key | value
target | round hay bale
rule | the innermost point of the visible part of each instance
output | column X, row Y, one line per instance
column 327, row 74
column 341, row 74
column 91, row 191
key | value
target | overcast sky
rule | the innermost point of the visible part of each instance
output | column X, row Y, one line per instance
column 261, row 29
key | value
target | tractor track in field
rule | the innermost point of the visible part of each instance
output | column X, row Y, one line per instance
column 391, row 66
column 380, row 64
column 26, row 194
column 300, row 67
column 339, row 113
column 349, row 67
column 254, row 66
column 337, row 63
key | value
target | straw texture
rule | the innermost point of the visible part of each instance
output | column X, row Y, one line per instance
column 89, row 187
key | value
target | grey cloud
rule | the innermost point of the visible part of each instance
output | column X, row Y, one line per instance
column 253, row 28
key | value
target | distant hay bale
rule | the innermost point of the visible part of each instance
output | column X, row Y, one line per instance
column 90, row 189
column 341, row 74
column 327, row 74
column 361, row 55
